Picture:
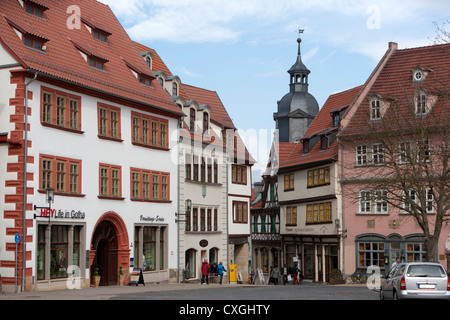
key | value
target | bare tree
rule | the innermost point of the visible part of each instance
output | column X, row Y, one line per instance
column 442, row 32
column 405, row 161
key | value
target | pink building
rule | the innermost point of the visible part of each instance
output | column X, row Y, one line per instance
column 406, row 94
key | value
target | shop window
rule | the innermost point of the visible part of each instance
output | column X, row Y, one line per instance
column 371, row 254
column 150, row 256
column 56, row 258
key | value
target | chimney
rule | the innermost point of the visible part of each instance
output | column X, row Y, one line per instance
column 393, row 45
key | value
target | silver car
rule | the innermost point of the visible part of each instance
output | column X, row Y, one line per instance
column 416, row 280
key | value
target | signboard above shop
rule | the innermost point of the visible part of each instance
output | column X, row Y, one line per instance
column 60, row 214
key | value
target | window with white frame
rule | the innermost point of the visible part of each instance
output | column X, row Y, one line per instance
column 365, row 204
column 404, row 152
column 381, row 205
column 429, row 198
column 413, row 198
column 419, row 152
column 421, row 104
column 361, row 155
column 373, row 201
column 375, row 110
column 369, row 154
column 377, row 153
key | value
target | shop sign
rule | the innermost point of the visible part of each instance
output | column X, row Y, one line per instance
column 62, row 214
column 152, row 219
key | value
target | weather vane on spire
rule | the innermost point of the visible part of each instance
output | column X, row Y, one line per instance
column 299, row 40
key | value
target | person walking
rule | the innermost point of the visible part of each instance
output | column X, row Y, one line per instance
column 285, row 280
column 205, row 271
column 221, row 269
column 296, row 272
column 275, row 275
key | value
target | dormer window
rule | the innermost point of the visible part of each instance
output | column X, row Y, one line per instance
column 191, row 119
column 93, row 57
column 33, row 42
column 421, row 104
column 174, row 89
column 205, row 121
column 375, row 109
column 148, row 61
column 418, row 75
column 305, row 145
column 336, row 119
column 96, row 63
column 147, row 81
column 34, row 9
column 97, row 31
column 161, row 81
column 99, row 35
column 323, row 143
column 31, row 38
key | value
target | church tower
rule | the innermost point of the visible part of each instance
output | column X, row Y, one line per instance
column 298, row 108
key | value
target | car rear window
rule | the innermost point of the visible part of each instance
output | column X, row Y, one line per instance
column 425, row 271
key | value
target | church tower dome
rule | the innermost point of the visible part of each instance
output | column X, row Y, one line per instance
column 298, row 108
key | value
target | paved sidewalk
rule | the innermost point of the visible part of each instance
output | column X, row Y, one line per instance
column 107, row 292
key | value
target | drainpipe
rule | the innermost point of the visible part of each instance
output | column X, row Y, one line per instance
column 342, row 239
column 25, row 167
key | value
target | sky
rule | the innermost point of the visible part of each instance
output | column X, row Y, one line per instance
column 242, row 49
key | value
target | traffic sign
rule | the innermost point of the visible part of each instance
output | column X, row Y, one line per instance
column 17, row 238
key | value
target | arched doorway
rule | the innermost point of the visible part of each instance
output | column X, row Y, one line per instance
column 109, row 248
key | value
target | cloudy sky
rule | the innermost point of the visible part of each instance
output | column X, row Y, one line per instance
column 243, row 48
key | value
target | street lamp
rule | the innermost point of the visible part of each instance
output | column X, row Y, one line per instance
column 49, row 198
column 187, row 211
column 188, row 205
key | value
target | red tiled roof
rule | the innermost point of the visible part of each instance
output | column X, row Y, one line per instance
column 157, row 63
column 62, row 59
column 395, row 83
column 292, row 154
column 334, row 102
column 203, row 96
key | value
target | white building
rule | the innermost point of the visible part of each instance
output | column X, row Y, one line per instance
column 99, row 129
column 214, row 176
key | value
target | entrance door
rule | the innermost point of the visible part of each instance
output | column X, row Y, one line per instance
column 106, row 259
column 190, row 263
column 309, row 261
column 395, row 252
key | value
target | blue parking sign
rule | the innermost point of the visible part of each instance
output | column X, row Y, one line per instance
column 17, row 238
